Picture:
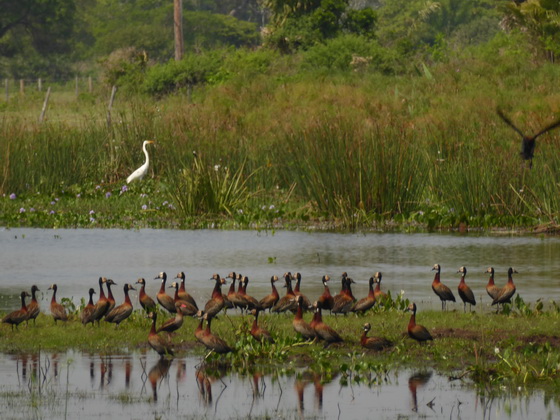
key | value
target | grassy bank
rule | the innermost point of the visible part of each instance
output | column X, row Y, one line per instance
column 519, row 347
column 419, row 151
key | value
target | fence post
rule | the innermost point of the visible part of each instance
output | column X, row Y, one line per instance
column 21, row 86
column 45, row 103
column 77, row 92
column 39, row 84
column 6, row 85
column 113, row 92
column 90, row 84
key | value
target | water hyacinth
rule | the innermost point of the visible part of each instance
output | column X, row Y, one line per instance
column 12, row 196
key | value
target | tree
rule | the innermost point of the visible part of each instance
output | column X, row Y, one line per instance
column 540, row 19
column 49, row 23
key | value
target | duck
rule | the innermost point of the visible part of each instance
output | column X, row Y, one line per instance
column 162, row 297
column 297, row 292
column 324, row 331
column 288, row 301
column 506, row 292
column 147, row 303
column 440, row 289
column 271, row 299
column 211, row 341
column 173, row 324
column 257, row 332
column 236, row 297
column 465, row 292
column 102, row 303
column 373, row 343
column 86, row 315
column 366, row 303
column 252, row 303
column 162, row 346
column 216, row 302
column 344, row 301
column 416, row 331
column 300, row 325
column 33, row 309
column 183, row 294
column 491, row 288
column 110, row 297
column 187, row 308
column 326, row 301
column 18, row 316
column 124, row 310
column 57, row 310
column 379, row 295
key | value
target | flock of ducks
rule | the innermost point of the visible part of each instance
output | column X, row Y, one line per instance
column 183, row 304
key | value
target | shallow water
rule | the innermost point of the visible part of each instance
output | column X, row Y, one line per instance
column 75, row 259
column 139, row 386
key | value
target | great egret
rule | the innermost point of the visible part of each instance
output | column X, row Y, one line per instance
column 527, row 142
column 142, row 170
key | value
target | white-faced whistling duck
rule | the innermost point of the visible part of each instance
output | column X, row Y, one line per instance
column 216, row 302
column 299, row 324
column 380, row 296
column 326, row 301
column 86, row 315
column 270, row 300
column 173, row 324
column 288, row 301
column 252, row 302
column 236, row 297
column 259, row 333
column 124, row 310
column 162, row 346
column 367, row 302
column 373, row 343
column 18, row 316
column 146, row 301
column 506, row 292
column 57, row 310
column 345, row 299
column 185, row 307
column 110, row 297
column 297, row 291
column 440, row 289
column 324, row 331
column 213, row 342
column 465, row 292
column 492, row 290
column 102, row 303
column 528, row 142
column 416, row 331
column 162, row 297
column 183, row 294
column 33, row 309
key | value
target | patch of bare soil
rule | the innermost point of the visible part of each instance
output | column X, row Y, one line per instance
column 455, row 333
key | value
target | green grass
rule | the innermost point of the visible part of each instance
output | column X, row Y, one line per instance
column 350, row 151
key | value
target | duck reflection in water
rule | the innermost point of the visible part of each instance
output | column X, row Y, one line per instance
column 417, row 380
column 158, row 373
column 206, row 375
column 127, row 372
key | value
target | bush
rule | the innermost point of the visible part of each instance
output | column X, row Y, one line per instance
column 350, row 52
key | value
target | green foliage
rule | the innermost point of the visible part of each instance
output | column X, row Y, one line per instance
column 350, row 53
column 208, row 30
column 193, row 69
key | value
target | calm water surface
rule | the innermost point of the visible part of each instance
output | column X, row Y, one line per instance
column 75, row 259
column 139, row 386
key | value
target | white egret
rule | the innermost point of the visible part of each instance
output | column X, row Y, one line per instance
column 142, row 170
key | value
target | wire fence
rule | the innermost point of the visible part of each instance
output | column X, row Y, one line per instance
column 12, row 87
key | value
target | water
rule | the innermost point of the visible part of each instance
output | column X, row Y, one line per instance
column 75, row 259
column 136, row 385
column 139, row 386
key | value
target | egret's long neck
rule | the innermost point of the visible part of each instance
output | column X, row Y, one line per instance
column 146, row 153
